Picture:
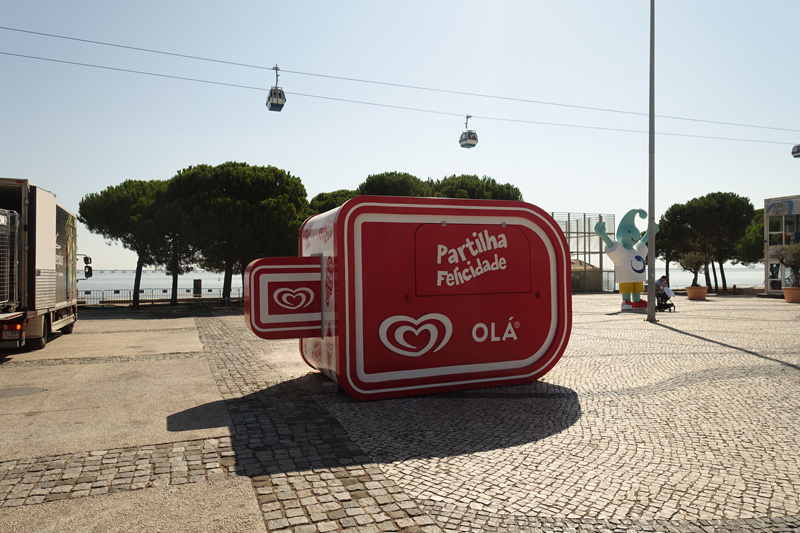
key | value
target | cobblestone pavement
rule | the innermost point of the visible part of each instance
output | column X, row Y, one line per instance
column 690, row 424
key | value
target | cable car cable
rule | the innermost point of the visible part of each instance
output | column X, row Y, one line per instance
column 525, row 100
column 133, row 71
column 149, row 50
column 211, row 82
column 399, row 85
column 626, row 130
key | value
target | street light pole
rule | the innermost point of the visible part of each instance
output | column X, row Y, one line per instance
column 651, row 220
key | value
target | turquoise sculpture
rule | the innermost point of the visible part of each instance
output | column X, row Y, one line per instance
column 628, row 253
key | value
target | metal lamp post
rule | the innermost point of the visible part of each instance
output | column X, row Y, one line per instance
column 651, row 220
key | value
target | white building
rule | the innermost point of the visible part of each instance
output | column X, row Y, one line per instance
column 781, row 226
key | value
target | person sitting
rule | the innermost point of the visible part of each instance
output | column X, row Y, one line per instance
column 661, row 283
column 663, row 294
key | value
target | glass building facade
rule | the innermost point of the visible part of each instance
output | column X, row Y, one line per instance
column 781, row 227
column 586, row 249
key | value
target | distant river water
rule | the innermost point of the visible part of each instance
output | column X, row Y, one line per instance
column 734, row 275
column 151, row 279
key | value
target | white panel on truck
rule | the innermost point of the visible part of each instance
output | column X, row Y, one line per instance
column 45, row 249
column 45, row 238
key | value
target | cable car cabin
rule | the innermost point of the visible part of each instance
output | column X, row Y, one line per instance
column 796, row 151
column 468, row 139
column 276, row 99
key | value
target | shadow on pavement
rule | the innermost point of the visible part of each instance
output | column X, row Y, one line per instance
column 730, row 346
column 291, row 426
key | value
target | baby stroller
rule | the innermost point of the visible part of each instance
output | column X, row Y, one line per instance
column 664, row 301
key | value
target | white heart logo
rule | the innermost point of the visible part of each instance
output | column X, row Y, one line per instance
column 426, row 323
column 293, row 298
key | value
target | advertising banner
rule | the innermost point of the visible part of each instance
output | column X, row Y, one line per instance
column 66, row 256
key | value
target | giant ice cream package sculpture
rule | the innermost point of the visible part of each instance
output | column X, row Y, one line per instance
column 404, row 296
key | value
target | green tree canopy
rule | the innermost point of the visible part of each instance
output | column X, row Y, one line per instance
column 125, row 213
column 711, row 225
column 734, row 214
column 325, row 201
column 241, row 213
column 405, row 184
column 395, row 184
column 693, row 262
column 176, row 246
column 673, row 237
column 789, row 256
column 750, row 248
column 471, row 186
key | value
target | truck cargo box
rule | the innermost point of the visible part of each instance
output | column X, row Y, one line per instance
column 38, row 252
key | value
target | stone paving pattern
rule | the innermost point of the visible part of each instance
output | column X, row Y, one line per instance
column 690, row 424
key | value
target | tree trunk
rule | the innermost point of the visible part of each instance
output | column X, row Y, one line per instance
column 173, row 299
column 708, row 277
column 722, row 275
column 707, row 254
column 137, row 281
column 226, row 284
column 714, row 271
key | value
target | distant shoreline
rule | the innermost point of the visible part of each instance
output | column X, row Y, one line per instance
column 123, row 279
column 118, row 279
column 148, row 271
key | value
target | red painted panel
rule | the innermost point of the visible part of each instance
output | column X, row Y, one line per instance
column 408, row 335
column 470, row 259
column 283, row 297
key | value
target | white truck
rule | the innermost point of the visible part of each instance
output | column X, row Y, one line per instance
column 38, row 265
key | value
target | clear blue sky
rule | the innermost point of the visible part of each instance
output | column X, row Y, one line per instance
column 76, row 130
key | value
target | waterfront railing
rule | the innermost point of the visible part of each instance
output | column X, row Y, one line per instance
column 125, row 296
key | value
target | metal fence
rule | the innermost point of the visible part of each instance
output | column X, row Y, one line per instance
column 590, row 273
column 125, row 296
column 9, row 262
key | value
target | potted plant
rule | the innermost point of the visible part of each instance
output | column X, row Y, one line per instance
column 694, row 262
column 789, row 256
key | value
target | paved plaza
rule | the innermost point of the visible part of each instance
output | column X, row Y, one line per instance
column 183, row 420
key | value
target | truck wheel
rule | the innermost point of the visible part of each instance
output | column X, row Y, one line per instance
column 41, row 342
column 66, row 330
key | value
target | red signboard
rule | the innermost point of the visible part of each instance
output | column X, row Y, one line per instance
column 283, row 297
column 470, row 259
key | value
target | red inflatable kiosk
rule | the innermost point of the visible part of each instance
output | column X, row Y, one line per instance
column 404, row 296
